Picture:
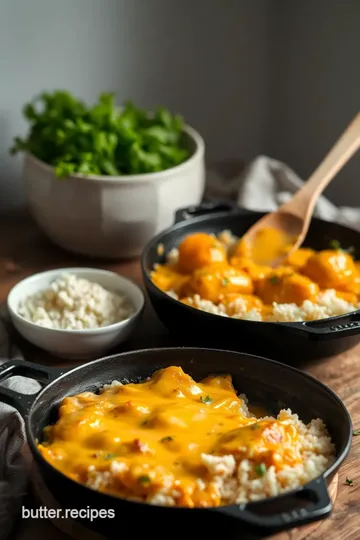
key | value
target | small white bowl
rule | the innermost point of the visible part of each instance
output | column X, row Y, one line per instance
column 112, row 217
column 76, row 344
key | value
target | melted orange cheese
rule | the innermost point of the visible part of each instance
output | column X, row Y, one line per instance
column 150, row 435
column 212, row 282
column 285, row 287
column 168, row 278
column 204, row 270
column 267, row 245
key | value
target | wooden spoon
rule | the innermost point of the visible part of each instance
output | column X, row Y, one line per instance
column 293, row 218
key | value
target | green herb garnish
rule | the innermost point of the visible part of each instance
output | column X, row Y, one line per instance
column 348, row 481
column 255, row 426
column 356, row 432
column 145, row 479
column 101, row 139
column 109, row 456
column 335, row 244
column 224, row 282
column 274, row 280
column 260, row 469
column 167, row 439
column 206, row 399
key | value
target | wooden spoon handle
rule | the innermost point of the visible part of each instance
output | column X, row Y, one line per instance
column 303, row 203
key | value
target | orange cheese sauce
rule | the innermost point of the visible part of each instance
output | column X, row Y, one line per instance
column 210, row 269
column 267, row 245
column 143, row 437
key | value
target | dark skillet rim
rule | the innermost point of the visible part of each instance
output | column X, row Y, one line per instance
column 156, row 240
column 337, row 463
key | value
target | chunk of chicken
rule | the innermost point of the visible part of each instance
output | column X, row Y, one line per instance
column 286, row 287
column 331, row 269
column 214, row 281
column 199, row 250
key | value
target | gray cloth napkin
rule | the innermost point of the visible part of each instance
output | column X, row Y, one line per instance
column 14, row 466
column 263, row 185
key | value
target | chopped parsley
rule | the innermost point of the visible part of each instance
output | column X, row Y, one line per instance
column 348, row 481
column 335, row 244
column 145, row 479
column 274, row 280
column 206, row 399
column 356, row 432
column 255, row 426
column 224, row 282
column 260, row 469
column 109, row 456
column 167, row 439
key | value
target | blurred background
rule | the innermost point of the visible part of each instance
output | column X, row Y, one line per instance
column 274, row 77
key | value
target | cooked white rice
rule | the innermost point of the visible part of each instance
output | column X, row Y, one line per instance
column 329, row 305
column 234, row 481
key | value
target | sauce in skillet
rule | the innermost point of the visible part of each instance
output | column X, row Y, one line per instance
column 135, row 440
column 208, row 269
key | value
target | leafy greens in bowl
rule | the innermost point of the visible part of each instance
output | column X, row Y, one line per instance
column 102, row 139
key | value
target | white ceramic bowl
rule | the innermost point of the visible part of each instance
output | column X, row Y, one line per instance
column 112, row 216
column 76, row 344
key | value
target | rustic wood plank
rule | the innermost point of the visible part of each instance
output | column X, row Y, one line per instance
column 24, row 251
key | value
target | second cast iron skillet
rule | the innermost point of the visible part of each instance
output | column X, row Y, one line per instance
column 286, row 342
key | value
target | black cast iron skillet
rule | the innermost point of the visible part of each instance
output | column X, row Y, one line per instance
column 267, row 383
column 286, row 342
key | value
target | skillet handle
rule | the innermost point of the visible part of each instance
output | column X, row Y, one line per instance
column 207, row 208
column 23, row 402
column 306, row 505
column 322, row 330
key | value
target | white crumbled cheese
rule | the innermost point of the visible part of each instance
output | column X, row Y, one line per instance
column 72, row 303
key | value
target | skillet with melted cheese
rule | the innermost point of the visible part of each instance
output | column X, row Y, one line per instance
column 137, row 440
column 208, row 269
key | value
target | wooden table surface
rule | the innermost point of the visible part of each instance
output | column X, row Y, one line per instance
column 24, row 251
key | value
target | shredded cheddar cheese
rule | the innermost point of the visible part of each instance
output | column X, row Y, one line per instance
column 168, row 437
